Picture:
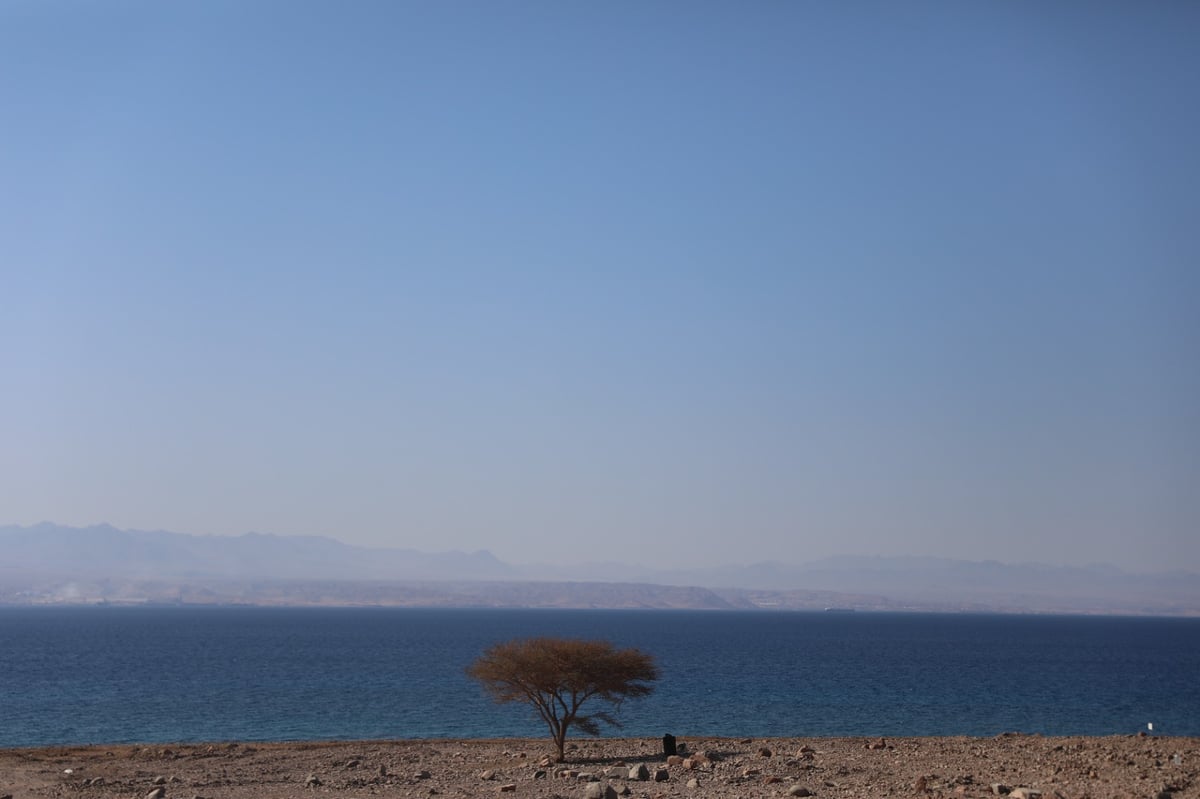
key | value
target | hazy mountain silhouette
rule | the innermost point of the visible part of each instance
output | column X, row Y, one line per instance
column 102, row 561
column 103, row 550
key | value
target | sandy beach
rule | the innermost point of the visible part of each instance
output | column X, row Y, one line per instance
column 1010, row 764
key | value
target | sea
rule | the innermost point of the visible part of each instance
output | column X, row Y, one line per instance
column 92, row 675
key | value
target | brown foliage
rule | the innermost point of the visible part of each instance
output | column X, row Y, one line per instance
column 557, row 675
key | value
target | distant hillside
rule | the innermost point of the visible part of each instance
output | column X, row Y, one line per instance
column 103, row 550
column 942, row 583
column 48, row 563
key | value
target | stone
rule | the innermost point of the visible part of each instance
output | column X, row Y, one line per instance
column 546, row 762
column 311, row 781
column 382, row 770
column 880, row 744
column 772, row 780
column 799, row 790
column 540, row 774
column 639, row 772
column 487, row 774
column 675, row 760
column 508, row 787
column 920, row 785
column 1000, row 789
column 661, row 775
column 157, row 793
column 160, row 781
column 693, row 783
column 615, row 773
column 1024, row 793
column 422, row 775
column 598, row 790
column 764, row 751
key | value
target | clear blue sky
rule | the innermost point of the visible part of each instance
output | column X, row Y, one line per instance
column 675, row 283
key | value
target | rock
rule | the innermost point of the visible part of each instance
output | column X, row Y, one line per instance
column 615, row 773
column 751, row 772
column 508, row 787
column 159, row 781
column 880, row 744
column 764, row 751
column 675, row 760
column 661, row 775
column 311, row 781
column 382, row 770
column 920, row 785
column 598, row 790
column 540, row 774
column 1024, row 793
column 353, row 763
column 157, row 793
column 422, row 775
column 772, row 780
column 625, row 791
column 487, row 775
column 1000, row 789
column 639, row 772
column 799, row 790
column 546, row 762
column 693, row 783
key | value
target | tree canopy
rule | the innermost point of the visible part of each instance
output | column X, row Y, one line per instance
column 556, row 676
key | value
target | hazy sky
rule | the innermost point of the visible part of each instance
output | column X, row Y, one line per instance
column 665, row 282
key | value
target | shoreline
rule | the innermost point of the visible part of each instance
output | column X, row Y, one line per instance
column 1056, row 767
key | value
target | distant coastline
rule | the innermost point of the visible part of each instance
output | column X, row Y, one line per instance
column 49, row 564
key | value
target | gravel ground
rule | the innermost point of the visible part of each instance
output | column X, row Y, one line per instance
column 1013, row 765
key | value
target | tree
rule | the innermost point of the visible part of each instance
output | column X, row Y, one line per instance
column 558, row 675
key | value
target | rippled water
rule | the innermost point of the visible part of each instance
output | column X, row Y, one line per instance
column 92, row 675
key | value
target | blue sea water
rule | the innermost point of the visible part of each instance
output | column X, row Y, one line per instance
column 112, row 675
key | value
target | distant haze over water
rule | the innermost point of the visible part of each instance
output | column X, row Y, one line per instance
column 48, row 563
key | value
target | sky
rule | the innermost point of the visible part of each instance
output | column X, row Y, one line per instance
column 670, row 283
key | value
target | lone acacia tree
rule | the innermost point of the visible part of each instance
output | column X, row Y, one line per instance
column 557, row 675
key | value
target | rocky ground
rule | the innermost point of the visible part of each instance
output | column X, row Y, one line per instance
column 710, row 768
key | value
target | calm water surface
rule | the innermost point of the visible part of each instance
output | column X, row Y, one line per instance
column 111, row 675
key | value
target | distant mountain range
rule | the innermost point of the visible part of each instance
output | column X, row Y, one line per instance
column 48, row 563
column 103, row 550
